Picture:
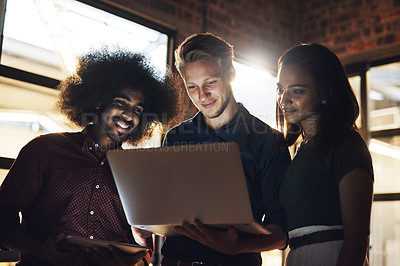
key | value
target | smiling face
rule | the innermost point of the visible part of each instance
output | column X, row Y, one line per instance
column 297, row 95
column 120, row 117
column 209, row 91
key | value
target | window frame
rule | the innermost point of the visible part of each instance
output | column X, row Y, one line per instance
column 361, row 69
column 21, row 75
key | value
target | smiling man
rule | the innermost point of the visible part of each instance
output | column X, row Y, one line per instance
column 61, row 182
column 204, row 62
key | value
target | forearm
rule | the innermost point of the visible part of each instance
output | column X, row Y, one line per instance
column 356, row 192
column 260, row 243
column 354, row 251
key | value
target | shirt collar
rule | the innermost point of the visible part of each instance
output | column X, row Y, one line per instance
column 91, row 141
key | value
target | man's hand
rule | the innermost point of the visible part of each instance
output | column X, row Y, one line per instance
column 141, row 236
column 53, row 252
column 114, row 256
column 223, row 241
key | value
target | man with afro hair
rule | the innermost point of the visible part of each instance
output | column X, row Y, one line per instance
column 62, row 183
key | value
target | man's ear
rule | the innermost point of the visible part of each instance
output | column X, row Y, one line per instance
column 232, row 73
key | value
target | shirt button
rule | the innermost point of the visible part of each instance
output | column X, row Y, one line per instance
column 90, row 148
column 102, row 163
column 91, row 212
column 97, row 186
column 91, row 237
column 96, row 145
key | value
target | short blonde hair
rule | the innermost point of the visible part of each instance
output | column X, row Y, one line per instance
column 205, row 46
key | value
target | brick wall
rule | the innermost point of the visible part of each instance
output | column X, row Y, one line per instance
column 356, row 30
column 261, row 30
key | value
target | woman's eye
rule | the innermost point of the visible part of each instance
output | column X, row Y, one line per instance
column 297, row 91
column 211, row 82
column 191, row 87
column 279, row 90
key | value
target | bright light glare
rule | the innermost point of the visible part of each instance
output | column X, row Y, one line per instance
column 384, row 149
column 18, row 117
column 255, row 89
column 66, row 29
column 30, row 117
column 32, row 28
column 90, row 13
column 160, row 51
column 377, row 96
column 135, row 29
column 49, row 124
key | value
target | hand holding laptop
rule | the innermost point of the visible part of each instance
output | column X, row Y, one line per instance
column 141, row 235
column 221, row 241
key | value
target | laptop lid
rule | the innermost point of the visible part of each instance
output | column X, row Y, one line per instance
column 162, row 187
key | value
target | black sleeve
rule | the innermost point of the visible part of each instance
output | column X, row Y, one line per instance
column 352, row 153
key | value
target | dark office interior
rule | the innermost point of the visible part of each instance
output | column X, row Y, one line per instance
column 41, row 38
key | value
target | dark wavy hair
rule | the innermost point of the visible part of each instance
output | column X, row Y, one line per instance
column 338, row 115
column 102, row 74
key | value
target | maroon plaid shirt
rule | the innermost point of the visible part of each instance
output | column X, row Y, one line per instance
column 62, row 183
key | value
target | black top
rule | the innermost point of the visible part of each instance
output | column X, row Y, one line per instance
column 310, row 191
column 265, row 161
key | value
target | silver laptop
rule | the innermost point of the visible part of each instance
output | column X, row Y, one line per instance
column 162, row 187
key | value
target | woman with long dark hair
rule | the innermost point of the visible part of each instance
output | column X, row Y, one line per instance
column 327, row 191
